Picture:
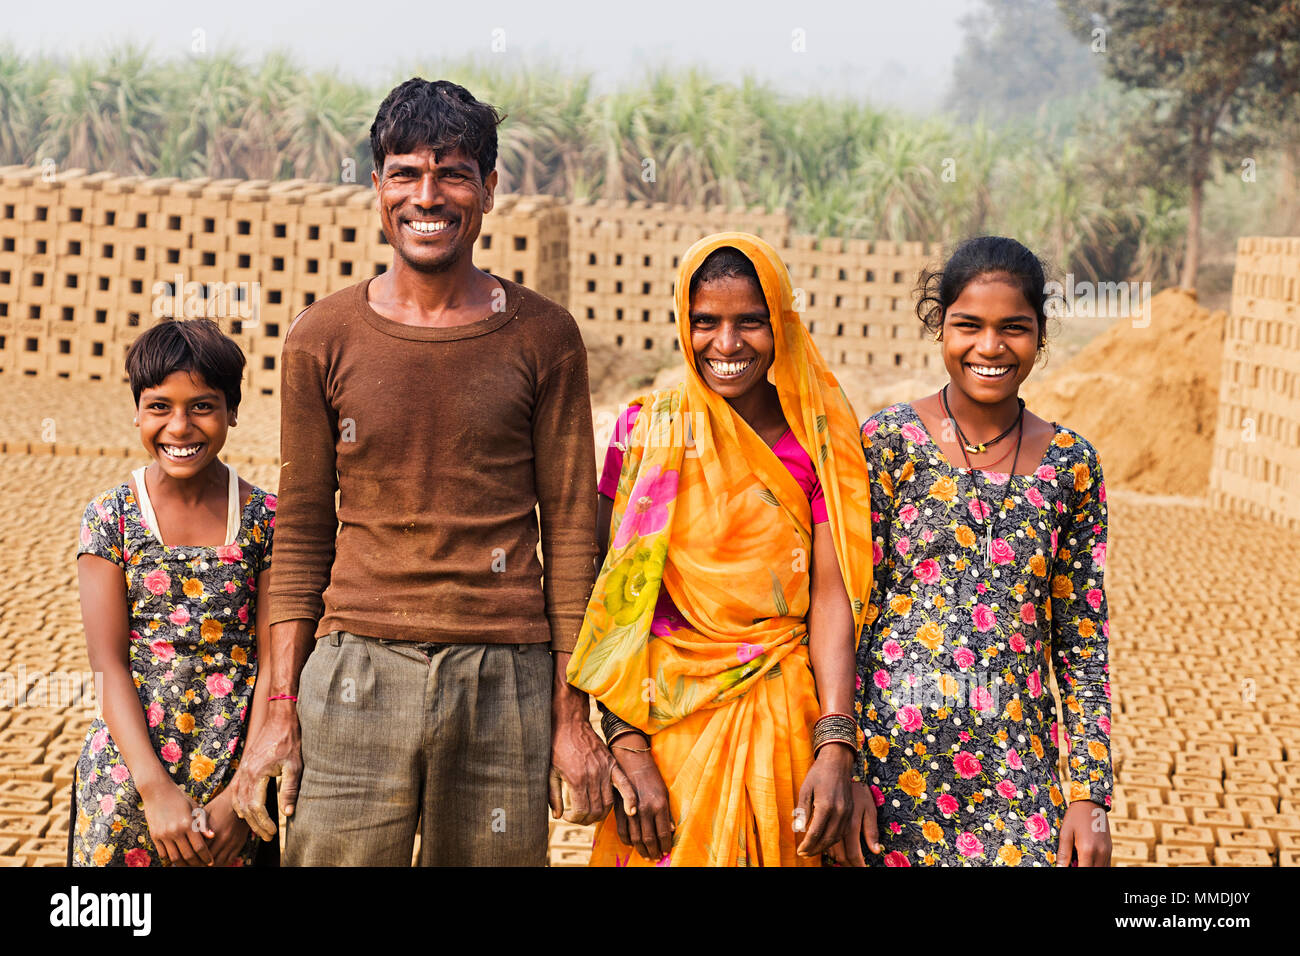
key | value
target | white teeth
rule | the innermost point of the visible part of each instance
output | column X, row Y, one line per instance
column 178, row 452
column 728, row 368
column 990, row 371
column 420, row 225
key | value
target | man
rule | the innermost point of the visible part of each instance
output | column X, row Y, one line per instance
column 450, row 404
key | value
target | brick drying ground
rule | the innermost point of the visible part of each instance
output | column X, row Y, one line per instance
column 1206, row 728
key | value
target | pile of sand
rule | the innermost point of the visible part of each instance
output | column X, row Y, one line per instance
column 1147, row 398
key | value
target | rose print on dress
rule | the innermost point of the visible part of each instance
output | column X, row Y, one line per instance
column 181, row 623
column 971, row 778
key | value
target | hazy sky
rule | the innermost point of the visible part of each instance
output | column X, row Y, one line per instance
column 886, row 52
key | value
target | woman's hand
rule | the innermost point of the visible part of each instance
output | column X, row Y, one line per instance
column 227, row 834
column 862, row 830
column 1084, row 832
column 826, row 798
column 646, row 823
column 174, row 821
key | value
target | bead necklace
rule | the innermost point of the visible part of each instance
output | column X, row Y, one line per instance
column 976, row 448
column 987, row 518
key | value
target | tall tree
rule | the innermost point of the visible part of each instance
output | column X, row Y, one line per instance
column 1018, row 59
column 1215, row 73
column 106, row 114
column 23, row 84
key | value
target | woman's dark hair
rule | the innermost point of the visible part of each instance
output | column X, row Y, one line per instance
column 196, row 346
column 937, row 289
column 438, row 114
column 723, row 263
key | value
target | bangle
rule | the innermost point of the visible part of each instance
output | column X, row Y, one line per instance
column 835, row 729
column 614, row 726
column 283, row 697
column 632, row 750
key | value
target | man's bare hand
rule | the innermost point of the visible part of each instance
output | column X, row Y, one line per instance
column 578, row 756
column 276, row 751
column 581, row 759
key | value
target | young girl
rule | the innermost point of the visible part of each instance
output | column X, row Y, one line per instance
column 738, row 565
column 170, row 564
column 990, row 543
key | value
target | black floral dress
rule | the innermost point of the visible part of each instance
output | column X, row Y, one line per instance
column 953, row 687
column 193, row 658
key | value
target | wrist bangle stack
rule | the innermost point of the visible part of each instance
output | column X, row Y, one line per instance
column 835, row 729
column 614, row 726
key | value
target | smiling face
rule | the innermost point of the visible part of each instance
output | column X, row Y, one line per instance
column 990, row 340
column 731, row 335
column 183, row 423
column 431, row 206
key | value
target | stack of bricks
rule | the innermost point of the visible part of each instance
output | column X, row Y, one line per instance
column 35, row 783
column 88, row 262
column 855, row 295
column 859, row 302
column 526, row 239
column 623, row 264
column 1206, row 716
column 1256, row 465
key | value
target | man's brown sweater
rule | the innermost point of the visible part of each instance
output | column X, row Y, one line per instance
column 440, row 443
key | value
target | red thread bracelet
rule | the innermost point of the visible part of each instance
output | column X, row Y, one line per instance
column 283, row 697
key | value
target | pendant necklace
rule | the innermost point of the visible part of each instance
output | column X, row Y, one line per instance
column 966, row 448
column 977, row 448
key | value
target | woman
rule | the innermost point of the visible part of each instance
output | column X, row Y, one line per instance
column 170, row 564
column 740, row 558
column 990, row 529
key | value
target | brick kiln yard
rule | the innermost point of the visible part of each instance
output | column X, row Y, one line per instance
column 1196, row 418
column 1206, row 719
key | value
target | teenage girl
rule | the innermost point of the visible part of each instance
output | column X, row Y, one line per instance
column 990, row 548
column 170, row 565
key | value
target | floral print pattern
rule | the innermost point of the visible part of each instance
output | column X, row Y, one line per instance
column 193, row 659
column 953, row 698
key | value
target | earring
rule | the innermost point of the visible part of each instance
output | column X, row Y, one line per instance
column 938, row 336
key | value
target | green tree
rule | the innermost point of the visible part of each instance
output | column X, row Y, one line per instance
column 1018, row 59
column 1213, row 71
column 325, row 119
column 23, row 84
column 206, row 97
column 106, row 114
column 258, row 151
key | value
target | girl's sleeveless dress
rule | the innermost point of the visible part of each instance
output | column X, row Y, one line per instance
column 193, row 658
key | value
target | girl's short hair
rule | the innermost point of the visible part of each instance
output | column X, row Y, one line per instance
column 974, row 258
column 197, row 346
column 723, row 263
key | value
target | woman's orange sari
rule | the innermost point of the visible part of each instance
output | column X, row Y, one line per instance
column 705, row 509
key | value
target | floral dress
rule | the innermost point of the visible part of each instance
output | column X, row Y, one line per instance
column 953, row 695
column 193, row 658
